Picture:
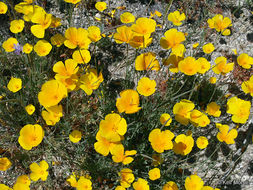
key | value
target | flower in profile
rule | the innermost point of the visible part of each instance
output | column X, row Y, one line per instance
column 2, row 186
column 52, row 92
column 127, row 17
column 23, row 183
column 57, row 40
column 42, row 48
column 42, row 21
column 172, row 39
column 245, row 60
column 224, row 135
column 9, row 44
column 183, row 144
column 55, row 22
column 182, row 111
column 220, row 24
column 113, row 127
column 30, row 109
column 39, row 171
column 81, row 56
column 72, row 180
column 144, row 26
column 72, row 1
column 14, row 85
column 147, row 61
column 199, row 119
column 30, row 136
column 27, row 48
column 138, row 41
column 240, row 109
column 208, row 48
column 247, row 86
column 176, row 18
column 161, row 140
column 213, row 80
column 17, row 26
column 75, row 136
column 222, row 67
column 67, row 73
column 146, row 87
column 119, row 155
column 5, row 164
column 204, row 65
column 26, row 9
column 213, row 109
column 3, row 8
column 154, row 174
column 141, row 184
column 189, row 66
column 126, row 177
column 195, row 45
column 90, row 81
column 171, row 185
column 94, row 33
column 52, row 114
column 128, row 102
column 202, row 142
column 173, row 61
column 84, row 184
column 101, row 6
column 123, row 34
column 77, row 37
column 193, row 182
column 165, row 119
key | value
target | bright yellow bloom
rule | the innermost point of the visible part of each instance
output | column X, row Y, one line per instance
column 30, row 136
column 113, row 127
column 172, row 39
column 182, row 111
column 52, row 93
column 81, row 56
column 199, row 119
column 57, row 40
column 213, row 109
column 17, row 26
column 224, row 135
column 245, row 60
column 72, row 180
column 183, row 144
column 2, row 186
column 94, row 33
column 161, row 140
column 77, row 37
column 154, row 174
column 20, row 186
column 118, row 154
column 146, row 87
column 42, row 48
column 52, row 114
column 14, row 85
column 123, row 34
column 3, row 8
column 147, row 61
column 126, row 177
column 27, row 48
column 219, row 23
column 25, row 9
column 165, row 119
column 39, row 171
column 193, row 182
column 204, row 65
column 5, row 164
column 72, row 1
column 195, row 45
column 42, row 21
column 141, row 184
column 67, row 74
column 173, row 61
column 90, row 81
column 240, row 109
column 138, row 41
column 9, row 44
column 144, row 26
column 128, row 102
column 213, row 80
column 171, row 185
column 24, row 179
column 247, row 86
column 127, row 17
column 179, row 50
column 75, row 136
column 176, row 18
column 189, row 66
column 101, row 6
column 202, row 142
column 30, row 109
column 84, row 184
column 222, row 67
column 208, row 48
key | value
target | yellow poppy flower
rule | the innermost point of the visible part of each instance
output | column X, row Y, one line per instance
column 57, row 40
column 9, row 44
column 172, row 39
column 2, row 186
column 189, row 66
column 147, row 61
column 173, row 61
column 81, row 56
column 208, row 48
column 126, row 177
column 144, row 26
column 141, row 184
column 42, row 48
column 30, row 109
column 219, row 23
column 199, row 119
column 75, row 136
column 14, row 85
column 123, row 34
column 193, row 182
column 204, row 65
column 213, row 109
column 52, row 114
column 247, row 86
column 183, row 144
column 176, row 18
column 202, row 142
column 72, row 180
column 154, row 174
column 127, row 17
column 245, row 60
column 17, row 26
column 94, row 33
column 213, row 80
column 55, row 22
column 39, row 171
column 171, row 185
column 27, row 48
column 146, row 87
column 3, row 8
column 84, row 184
column 165, row 119
column 101, row 6
column 224, row 135
column 119, row 155
column 182, row 111
column 195, row 45
column 222, row 67
column 138, row 41
column 5, row 164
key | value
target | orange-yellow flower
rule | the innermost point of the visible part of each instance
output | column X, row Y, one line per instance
column 199, row 119
column 204, row 65
column 9, row 44
column 27, row 48
column 94, row 33
column 173, row 61
column 219, row 23
column 144, row 26
column 118, row 154
column 146, row 87
column 17, row 26
column 247, row 86
column 5, row 164
column 208, row 48
column 172, row 39
column 225, row 135
column 213, row 109
column 39, row 171
column 57, row 40
column 176, row 18
column 138, row 41
column 30, row 109
column 245, row 60
column 81, row 56
column 171, row 185
column 154, row 174
column 193, row 182
column 182, row 111
column 75, row 136
column 42, row 48
column 147, row 61
column 14, row 85
column 165, row 119
column 126, row 177
column 72, row 1
column 202, row 142
column 3, row 8
column 52, row 114
column 189, row 66
column 222, row 67
column 123, row 34
column 183, row 144
column 127, row 17
column 100, row 6
column 141, row 184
